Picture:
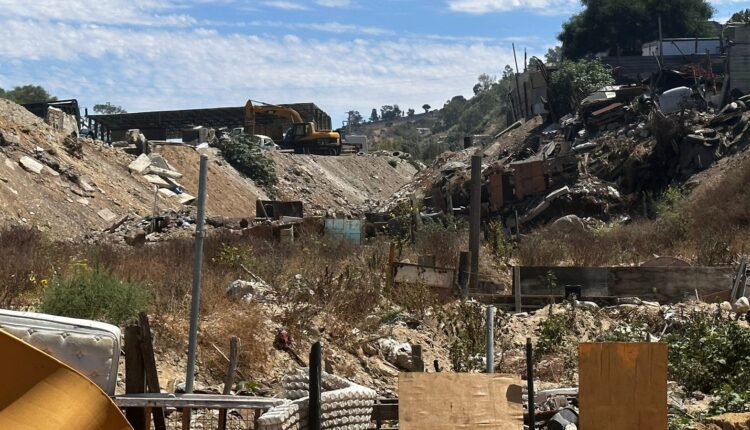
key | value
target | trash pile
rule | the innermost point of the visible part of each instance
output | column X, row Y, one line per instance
column 599, row 162
column 157, row 171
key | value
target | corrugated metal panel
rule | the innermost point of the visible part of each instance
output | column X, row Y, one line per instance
column 739, row 58
column 345, row 229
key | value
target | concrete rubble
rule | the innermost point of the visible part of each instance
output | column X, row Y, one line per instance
column 157, row 171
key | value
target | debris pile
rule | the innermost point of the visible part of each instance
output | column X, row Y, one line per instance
column 622, row 143
column 157, row 171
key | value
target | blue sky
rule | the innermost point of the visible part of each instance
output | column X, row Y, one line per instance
column 340, row 54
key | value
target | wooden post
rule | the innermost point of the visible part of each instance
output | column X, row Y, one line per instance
column 135, row 381
column 517, row 287
column 391, row 260
column 234, row 354
column 417, row 364
column 149, row 367
column 475, row 218
column 464, row 268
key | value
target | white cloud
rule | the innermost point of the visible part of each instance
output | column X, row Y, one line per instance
column 286, row 5
column 169, row 68
column 487, row 6
column 110, row 12
column 334, row 3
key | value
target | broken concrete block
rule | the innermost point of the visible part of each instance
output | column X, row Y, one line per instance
column 163, row 172
column 166, row 192
column 157, row 180
column 136, row 237
column 568, row 224
column 140, row 164
column 160, row 162
column 50, row 171
column 741, row 306
column 7, row 139
column 107, row 215
column 186, row 198
column 31, row 165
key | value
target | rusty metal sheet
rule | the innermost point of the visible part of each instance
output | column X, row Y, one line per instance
column 459, row 401
column 495, row 191
column 436, row 277
column 623, row 386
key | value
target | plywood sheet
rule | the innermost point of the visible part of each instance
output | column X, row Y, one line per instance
column 623, row 386
column 466, row 401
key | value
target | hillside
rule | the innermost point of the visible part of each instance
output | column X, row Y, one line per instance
column 426, row 136
column 67, row 195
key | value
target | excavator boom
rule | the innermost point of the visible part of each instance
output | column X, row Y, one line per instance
column 303, row 136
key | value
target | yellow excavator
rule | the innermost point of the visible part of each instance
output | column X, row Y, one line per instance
column 303, row 136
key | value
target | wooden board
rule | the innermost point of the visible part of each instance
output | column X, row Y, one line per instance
column 664, row 284
column 466, row 401
column 436, row 277
column 623, row 386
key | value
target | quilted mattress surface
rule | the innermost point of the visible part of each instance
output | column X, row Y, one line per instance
column 90, row 347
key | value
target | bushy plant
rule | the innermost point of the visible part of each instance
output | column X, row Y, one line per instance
column 575, row 80
column 708, row 354
column 465, row 327
column 96, row 294
column 245, row 155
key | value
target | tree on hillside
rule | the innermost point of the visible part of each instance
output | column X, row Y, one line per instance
column 374, row 115
column 553, row 55
column 741, row 16
column 27, row 94
column 453, row 109
column 386, row 112
column 410, row 112
column 354, row 117
column 507, row 72
column 623, row 26
column 426, row 107
column 108, row 109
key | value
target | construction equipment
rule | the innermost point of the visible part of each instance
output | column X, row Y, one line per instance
column 303, row 136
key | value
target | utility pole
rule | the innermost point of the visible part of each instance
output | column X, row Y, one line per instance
column 475, row 214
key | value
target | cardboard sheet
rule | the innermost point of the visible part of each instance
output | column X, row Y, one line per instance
column 623, row 386
column 451, row 401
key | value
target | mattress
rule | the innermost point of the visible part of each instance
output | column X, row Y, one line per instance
column 90, row 347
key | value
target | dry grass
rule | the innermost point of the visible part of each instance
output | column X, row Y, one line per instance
column 710, row 227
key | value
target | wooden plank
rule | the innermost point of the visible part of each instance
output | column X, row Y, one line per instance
column 623, row 386
column 149, row 367
column 664, row 284
column 234, row 353
column 459, row 401
column 135, row 381
column 437, row 277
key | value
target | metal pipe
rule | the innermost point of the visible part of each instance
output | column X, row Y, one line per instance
column 530, row 382
column 489, row 324
column 313, row 417
column 518, row 86
column 200, row 234
column 475, row 212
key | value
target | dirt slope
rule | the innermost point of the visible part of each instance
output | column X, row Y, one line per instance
column 348, row 183
column 72, row 196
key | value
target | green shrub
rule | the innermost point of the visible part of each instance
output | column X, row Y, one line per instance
column 93, row 293
column 393, row 163
column 574, row 81
column 708, row 354
column 729, row 399
column 247, row 157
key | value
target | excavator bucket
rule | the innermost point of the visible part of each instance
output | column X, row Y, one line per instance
column 41, row 393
